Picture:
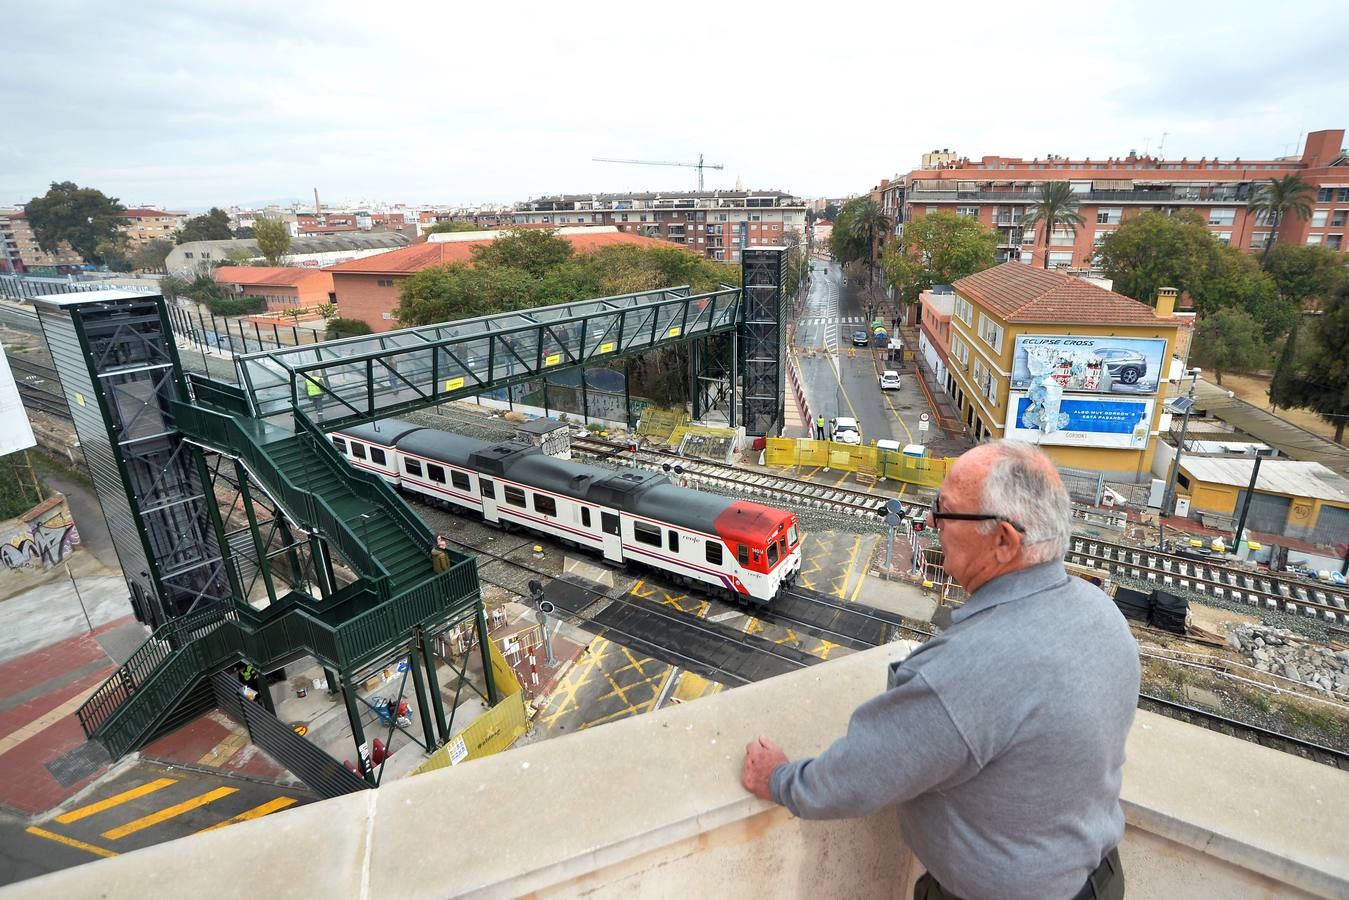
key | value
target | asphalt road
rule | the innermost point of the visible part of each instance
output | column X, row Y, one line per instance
column 839, row 384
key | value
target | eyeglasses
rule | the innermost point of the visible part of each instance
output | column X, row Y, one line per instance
column 970, row 517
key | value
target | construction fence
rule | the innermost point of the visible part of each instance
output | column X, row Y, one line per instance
column 493, row 731
column 867, row 462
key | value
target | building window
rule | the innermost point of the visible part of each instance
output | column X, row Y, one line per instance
column 1337, row 220
column 545, row 505
column 931, row 210
column 1319, row 218
column 1333, row 241
column 969, row 211
column 1313, row 240
column 964, row 310
column 991, row 332
column 1100, row 236
column 1258, row 239
column 1222, row 216
column 1061, row 259
column 1323, row 195
column 1062, row 237
column 1027, row 257
column 384, row 282
column 1109, row 215
column 1224, row 237
column 187, row 255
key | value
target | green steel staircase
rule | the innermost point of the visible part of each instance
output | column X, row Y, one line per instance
column 355, row 513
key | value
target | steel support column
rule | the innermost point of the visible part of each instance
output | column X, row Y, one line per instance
column 419, row 687
column 264, row 563
column 433, row 685
column 483, row 638
column 357, row 732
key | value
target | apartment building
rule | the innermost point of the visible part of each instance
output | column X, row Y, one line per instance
column 19, row 251
column 716, row 224
column 998, row 190
column 141, row 226
column 1045, row 357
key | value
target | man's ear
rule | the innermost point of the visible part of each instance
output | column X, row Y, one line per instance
column 1008, row 546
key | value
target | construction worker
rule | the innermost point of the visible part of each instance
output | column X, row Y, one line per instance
column 313, row 389
column 819, row 428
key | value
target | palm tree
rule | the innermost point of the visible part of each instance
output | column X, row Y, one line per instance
column 866, row 221
column 1056, row 207
column 1289, row 194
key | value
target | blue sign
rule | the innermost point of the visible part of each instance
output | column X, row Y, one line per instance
column 1077, row 420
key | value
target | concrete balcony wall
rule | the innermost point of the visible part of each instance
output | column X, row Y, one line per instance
column 652, row 806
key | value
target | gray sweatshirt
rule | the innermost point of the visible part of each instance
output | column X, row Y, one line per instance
column 1001, row 741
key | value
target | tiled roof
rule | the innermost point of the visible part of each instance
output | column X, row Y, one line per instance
column 278, row 275
column 423, row 256
column 147, row 213
column 1017, row 292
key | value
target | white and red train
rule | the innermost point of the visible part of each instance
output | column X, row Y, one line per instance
column 743, row 550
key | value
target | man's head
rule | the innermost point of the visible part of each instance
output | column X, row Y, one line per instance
column 1028, row 512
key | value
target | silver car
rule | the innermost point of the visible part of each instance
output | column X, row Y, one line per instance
column 1124, row 366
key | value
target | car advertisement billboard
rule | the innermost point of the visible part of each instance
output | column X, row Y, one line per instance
column 1051, row 417
column 1098, row 365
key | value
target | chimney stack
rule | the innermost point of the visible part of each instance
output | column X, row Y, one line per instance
column 1166, row 301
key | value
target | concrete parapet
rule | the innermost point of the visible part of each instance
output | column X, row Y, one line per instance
column 652, row 806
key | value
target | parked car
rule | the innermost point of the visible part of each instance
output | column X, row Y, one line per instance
column 1124, row 366
column 860, row 338
column 845, row 431
column 890, row 381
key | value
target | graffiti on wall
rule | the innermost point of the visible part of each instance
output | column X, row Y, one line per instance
column 40, row 538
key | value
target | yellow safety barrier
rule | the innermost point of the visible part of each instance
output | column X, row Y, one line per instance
column 888, row 464
column 492, row 732
column 658, row 424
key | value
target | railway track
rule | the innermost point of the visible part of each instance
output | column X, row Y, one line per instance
column 1275, row 740
column 1170, row 572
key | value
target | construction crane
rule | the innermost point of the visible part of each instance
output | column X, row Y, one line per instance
column 699, row 165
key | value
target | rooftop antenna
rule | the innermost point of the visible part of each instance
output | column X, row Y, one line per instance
column 1161, row 148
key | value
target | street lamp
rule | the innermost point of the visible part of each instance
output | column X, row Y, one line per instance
column 1183, row 405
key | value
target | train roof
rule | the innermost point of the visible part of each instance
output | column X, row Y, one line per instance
column 455, row 449
column 386, row 432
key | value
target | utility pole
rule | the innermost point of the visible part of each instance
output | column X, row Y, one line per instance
column 1169, row 495
column 1246, row 503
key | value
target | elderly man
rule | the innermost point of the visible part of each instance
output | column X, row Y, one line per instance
column 1000, row 741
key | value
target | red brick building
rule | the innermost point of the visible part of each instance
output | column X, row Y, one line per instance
column 282, row 288
column 367, row 289
column 934, row 335
column 998, row 190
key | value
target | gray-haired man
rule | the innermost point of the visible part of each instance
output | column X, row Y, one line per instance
column 1000, row 741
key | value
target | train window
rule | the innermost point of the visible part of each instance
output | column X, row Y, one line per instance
column 459, row 480
column 515, row 496
column 412, row 467
column 377, row 456
column 340, row 444
column 742, row 554
column 609, row 523
column 358, row 450
column 674, row 541
column 791, row 535
column 772, row 554
column 435, row 473
column 782, row 547
column 485, row 486
column 646, row 534
column 585, row 516
column 545, row 505
column 713, row 552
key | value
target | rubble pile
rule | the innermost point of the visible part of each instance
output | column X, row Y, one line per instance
column 1286, row 653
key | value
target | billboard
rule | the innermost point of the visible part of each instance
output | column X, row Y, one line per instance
column 15, row 432
column 1050, row 417
column 1098, row 365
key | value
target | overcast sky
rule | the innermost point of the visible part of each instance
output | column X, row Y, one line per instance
column 189, row 105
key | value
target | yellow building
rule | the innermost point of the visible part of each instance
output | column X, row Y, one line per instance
column 1293, row 498
column 1081, row 371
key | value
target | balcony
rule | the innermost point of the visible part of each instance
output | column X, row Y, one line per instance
column 1185, row 197
column 652, row 806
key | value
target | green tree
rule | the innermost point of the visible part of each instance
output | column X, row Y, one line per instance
column 79, row 216
column 244, row 233
column 214, row 225
column 1232, row 279
column 340, row 328
column 115, row 252
column 1324, row 365
column 173, row 287
column 273, row 239
column 831, row 211
column 1304, row 273
column 151, row 257
column 854, row 230
column 326, row 310
column 1228, row 340
column 460, row 291
column 237, row 256
column 452, row 227
column 1279, row 198
column 533, row 250
column 1154, row 250
column 868, row 222
column 1056, row 207
column 1285, row 386
column 937, row 248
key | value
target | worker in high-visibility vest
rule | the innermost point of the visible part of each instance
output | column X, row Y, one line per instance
column 314, row 390
column 819, row 428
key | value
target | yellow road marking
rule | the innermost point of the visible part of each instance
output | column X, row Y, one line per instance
column 164, row 815
column 256, row 812
column 857, row 590
column 47, row 720
column 842, row 590
column 85, row 812
column 224, row 750
column 70, row 842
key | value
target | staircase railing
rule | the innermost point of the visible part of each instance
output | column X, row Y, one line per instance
column 222, row 430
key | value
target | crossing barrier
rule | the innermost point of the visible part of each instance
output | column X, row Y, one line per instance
column 888, row 464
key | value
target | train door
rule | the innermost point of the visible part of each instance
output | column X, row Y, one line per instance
column 612, row 535
column 488, row 489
